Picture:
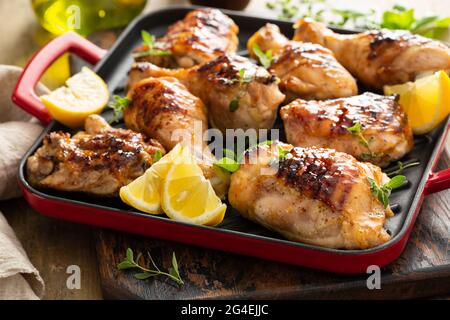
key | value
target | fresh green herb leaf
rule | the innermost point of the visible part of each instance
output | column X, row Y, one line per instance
column 265, row 58
column 356, row 131
column 130, row 255
column 153, row 50
column 366, row 156
column 243, row 78
column 118, row 105
column 424, row 22
column 175, row 263
column 229, row 154
column 383, row 193
column 282, row 153
column 234, row 105
column 227, row 164
column 146, row 273
column 395, row 182
column 157, row 155
column 270, row 5
column 399, row 8
column 395, row 19
column 125, row 265
column 253, row 147
column 377, row 192
column 402, row 167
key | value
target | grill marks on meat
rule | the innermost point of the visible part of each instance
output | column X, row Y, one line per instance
column 202, row 35
column 98, row 161
column 383, row 122
column 314, row 195
column 306, row 70
column 379, row 57
column 218, row 83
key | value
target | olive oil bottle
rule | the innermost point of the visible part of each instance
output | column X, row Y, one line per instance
column 85, row 16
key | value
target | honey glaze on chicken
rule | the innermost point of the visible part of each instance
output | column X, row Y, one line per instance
column 202, row 35
column 314, row 195
column 238, row 93
column 384, row 125
column 379, row 57
column 97, row 161
column 306, row 70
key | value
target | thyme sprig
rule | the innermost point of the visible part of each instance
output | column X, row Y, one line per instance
column 118, row 105
column 130, row 263
column 153, row 50
column 402, row 167
column 356, row 131
column 243, row 78
column 265, row 58
column 382, row 193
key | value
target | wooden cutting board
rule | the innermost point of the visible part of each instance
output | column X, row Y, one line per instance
column 422, row 270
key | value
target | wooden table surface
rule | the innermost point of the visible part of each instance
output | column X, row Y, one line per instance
column 53, row 245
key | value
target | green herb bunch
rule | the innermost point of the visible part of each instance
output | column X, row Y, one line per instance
column 398, row 17
column 145, row 272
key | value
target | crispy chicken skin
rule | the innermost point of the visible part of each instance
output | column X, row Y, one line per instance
column 317, row 196
column 218, row 83
column 324, row 124
column 379, row 57
column 165, row 110
column 306, row 70
column 97, row 161
column 202, row 35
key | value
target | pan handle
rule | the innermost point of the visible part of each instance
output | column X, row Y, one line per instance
column 24, row 94
column 438, row 181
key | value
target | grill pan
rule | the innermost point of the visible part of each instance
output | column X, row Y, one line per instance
column 234, row 234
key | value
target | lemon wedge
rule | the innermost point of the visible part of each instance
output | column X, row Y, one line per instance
column 426, row 101
column 142, row 195
column 176, row 185
column 84, row 94
column 144, row 192
column 188, row 196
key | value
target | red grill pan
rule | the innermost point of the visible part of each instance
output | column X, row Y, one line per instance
column 235, row 234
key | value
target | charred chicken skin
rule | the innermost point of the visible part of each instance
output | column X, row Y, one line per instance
column 237, row 93
column 306, row 70
column 165, row 110
column 97, row 161
column 379, row 57
column 317, row 196
column 202, row 35
column 383, row 125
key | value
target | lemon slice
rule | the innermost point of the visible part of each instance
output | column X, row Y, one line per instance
column 426, row 101
column 189, row 197
column 84, row 94
column 144, row 192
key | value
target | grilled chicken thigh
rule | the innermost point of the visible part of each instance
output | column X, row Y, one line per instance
column 165, row 110
column 202, row 35
column 238, row 93
column 306, row 70
column 384, row 126
column 379, row 57
column 97, row 161
column 317, row 196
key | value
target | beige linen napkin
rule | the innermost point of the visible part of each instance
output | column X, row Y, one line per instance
column 19, row 279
